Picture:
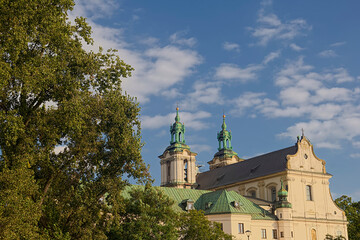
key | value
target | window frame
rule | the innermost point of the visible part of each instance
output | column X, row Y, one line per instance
column 263, row 234
column 241, row 228
column 250, row 190
column 275, row 234
column 309, row 195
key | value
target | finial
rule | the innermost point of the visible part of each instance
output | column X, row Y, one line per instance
column 302, row 132
column 177, row 118
column 223, row 126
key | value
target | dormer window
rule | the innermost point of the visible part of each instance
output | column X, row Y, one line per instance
column 236, row 204
column 188, row 204
column 208, row 205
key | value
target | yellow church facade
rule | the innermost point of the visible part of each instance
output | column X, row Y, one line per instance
column 284, row 194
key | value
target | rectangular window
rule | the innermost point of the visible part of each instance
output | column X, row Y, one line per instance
column 222, row 226
column 274, row 233
column 273, row 194
column 241, row 228
column 168, row 172
column 263, row 233
column 308, row 193
column 282, row 234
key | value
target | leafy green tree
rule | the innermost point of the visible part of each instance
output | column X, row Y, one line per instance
column 330, row 237
column 352, row 211
column 52, row 93
column 195, row 226
column 148, row 214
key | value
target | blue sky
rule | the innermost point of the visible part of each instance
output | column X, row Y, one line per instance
column 273, row 67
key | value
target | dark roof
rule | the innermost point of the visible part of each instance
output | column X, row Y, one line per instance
column 248, row 169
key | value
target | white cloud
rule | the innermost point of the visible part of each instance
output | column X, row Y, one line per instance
column 246, row 101
column 157, row 68
column 204, row 93
column 228, row 71
column 270, row 27
column 177, row 38
column 337, row 44
column 94, row 9
column 330, row 114
column 356, row 144
column 294, row 96
column 341, row 75
column 271, row 56
column 231, row 46
column 355, row 155
column 295, row 47
column 328, row 53
column 194, row 121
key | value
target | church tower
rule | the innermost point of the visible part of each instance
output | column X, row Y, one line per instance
column 178, row 167
column 225, row 154
column 283, row 210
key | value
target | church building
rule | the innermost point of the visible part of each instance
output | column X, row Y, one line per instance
column 283, row 194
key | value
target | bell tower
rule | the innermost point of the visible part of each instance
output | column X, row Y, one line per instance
column 178, row 167
column 225, row 154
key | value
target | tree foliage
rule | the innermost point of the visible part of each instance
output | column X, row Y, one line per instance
column 330, row 237
column 352, row 211
column 148, row 214
column 54, row 93
column 195, row 226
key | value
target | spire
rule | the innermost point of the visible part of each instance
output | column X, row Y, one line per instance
column 223, row 126
column 177, row 118
column 177, row 131
column 282, row 194
column 224, row 137
column 225, row 154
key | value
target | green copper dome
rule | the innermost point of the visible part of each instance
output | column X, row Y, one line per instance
column 224, row 137
column 177, row 132
column 282, row 194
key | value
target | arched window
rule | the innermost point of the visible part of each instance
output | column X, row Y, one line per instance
column 252, row 193
column 185, row 171
column 313, row 234
column 168, row 171
column 271, row 193
column 179, row 136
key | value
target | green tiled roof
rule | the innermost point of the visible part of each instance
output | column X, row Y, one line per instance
column 212, row 202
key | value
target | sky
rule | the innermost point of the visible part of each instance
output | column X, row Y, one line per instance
column 273, row 68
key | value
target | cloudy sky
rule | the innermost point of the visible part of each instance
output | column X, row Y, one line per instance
column 273, row 67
